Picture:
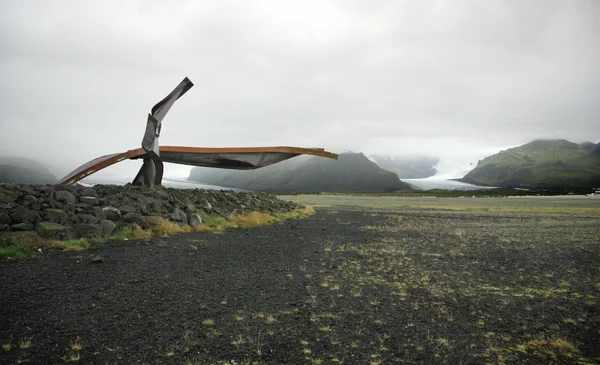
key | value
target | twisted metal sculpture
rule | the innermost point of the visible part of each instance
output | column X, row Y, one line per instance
column 153, row 155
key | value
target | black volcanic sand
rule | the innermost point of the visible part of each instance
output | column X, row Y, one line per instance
column 351, row 285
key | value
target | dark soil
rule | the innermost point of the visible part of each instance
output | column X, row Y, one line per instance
column 353, row 286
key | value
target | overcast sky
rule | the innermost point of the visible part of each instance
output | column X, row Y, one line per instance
column 443, row 78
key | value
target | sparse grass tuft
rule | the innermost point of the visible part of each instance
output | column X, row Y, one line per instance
column 254, row 219
column 552, row 347
column 132, row 232
column 170, row 228
column 208, row 322
column 16, row 250
column 75, row 245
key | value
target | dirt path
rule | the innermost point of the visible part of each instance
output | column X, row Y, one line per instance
column 348, row 285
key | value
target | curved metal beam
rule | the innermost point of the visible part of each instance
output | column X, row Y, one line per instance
column 241, row 158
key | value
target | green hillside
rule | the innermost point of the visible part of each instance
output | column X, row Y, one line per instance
column 408, row 167
column 541, row 164
column 24, row 171
column 352, row 172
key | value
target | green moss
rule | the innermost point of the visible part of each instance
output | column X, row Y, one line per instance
column 75, row 245
column 16, row 250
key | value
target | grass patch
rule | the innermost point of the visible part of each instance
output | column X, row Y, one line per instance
column 16, row 250
column 132, row 232
column 75, row 245
column 254, row 219
column 553, row 348
column 170, row 228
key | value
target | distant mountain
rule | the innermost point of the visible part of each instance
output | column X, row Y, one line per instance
column 24, row 171
column 541, row 164
column 352, row 172
column 408, row 167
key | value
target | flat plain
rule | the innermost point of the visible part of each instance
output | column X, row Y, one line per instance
column 367, row 280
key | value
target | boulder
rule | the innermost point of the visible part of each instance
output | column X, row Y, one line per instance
column 179, row 216
column 155, row 220
column 85, row 230
column 195, row 220
column 29, row 200
column 54, row 230
column 137, row 219
column 127, row 209
column 108, row 227
column 112, row 213
column 23, row 215
column 55, row 215
column 17, row 235
column 189, row 209
column 89, row 192
column 161, row 194
column 64, row 196
column 98, row 212
column 72, row 218
column 7, row 196
column 87, row 218
column 22, row 227
column 5, row 218
column 89, row 200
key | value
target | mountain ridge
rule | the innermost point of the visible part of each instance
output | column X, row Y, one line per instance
column 541, row 164
column 352, row 172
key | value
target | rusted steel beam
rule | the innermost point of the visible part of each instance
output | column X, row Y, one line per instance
column 244, row 158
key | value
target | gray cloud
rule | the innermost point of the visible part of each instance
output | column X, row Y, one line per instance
column 386, row 77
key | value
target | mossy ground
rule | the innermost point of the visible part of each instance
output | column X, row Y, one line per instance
column 484, row 281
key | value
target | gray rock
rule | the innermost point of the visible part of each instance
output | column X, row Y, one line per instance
column 55, row 215
column 195, row 220
column 237, row 212
column 192, row 248
column 142, row 208
column 54, row 230
column 97, row 259
column 189, row 209
column 178, row 203
column 5, row 218
column 86, row 230
column 156, row 220
column 108, row 227
column 64, row 197
column 179, row 216
column 4, row 227
column 89, row 200
column 29, row 200
column 98, row 212
column 111, row 200
column 22, row 227
column 125, row 209
column 162, row 243
column 89, row 192
column 205, row 204
column 136, row 219
column 17, row 235
column 112, row 213
column 7, row 196
column 144, row 200
column 161, row 194
column 23, row 215
column 87, row 218
column 72, row 218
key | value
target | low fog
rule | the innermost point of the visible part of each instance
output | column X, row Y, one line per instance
column 454, row 79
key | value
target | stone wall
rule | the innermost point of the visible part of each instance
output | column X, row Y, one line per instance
column 68, row 212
